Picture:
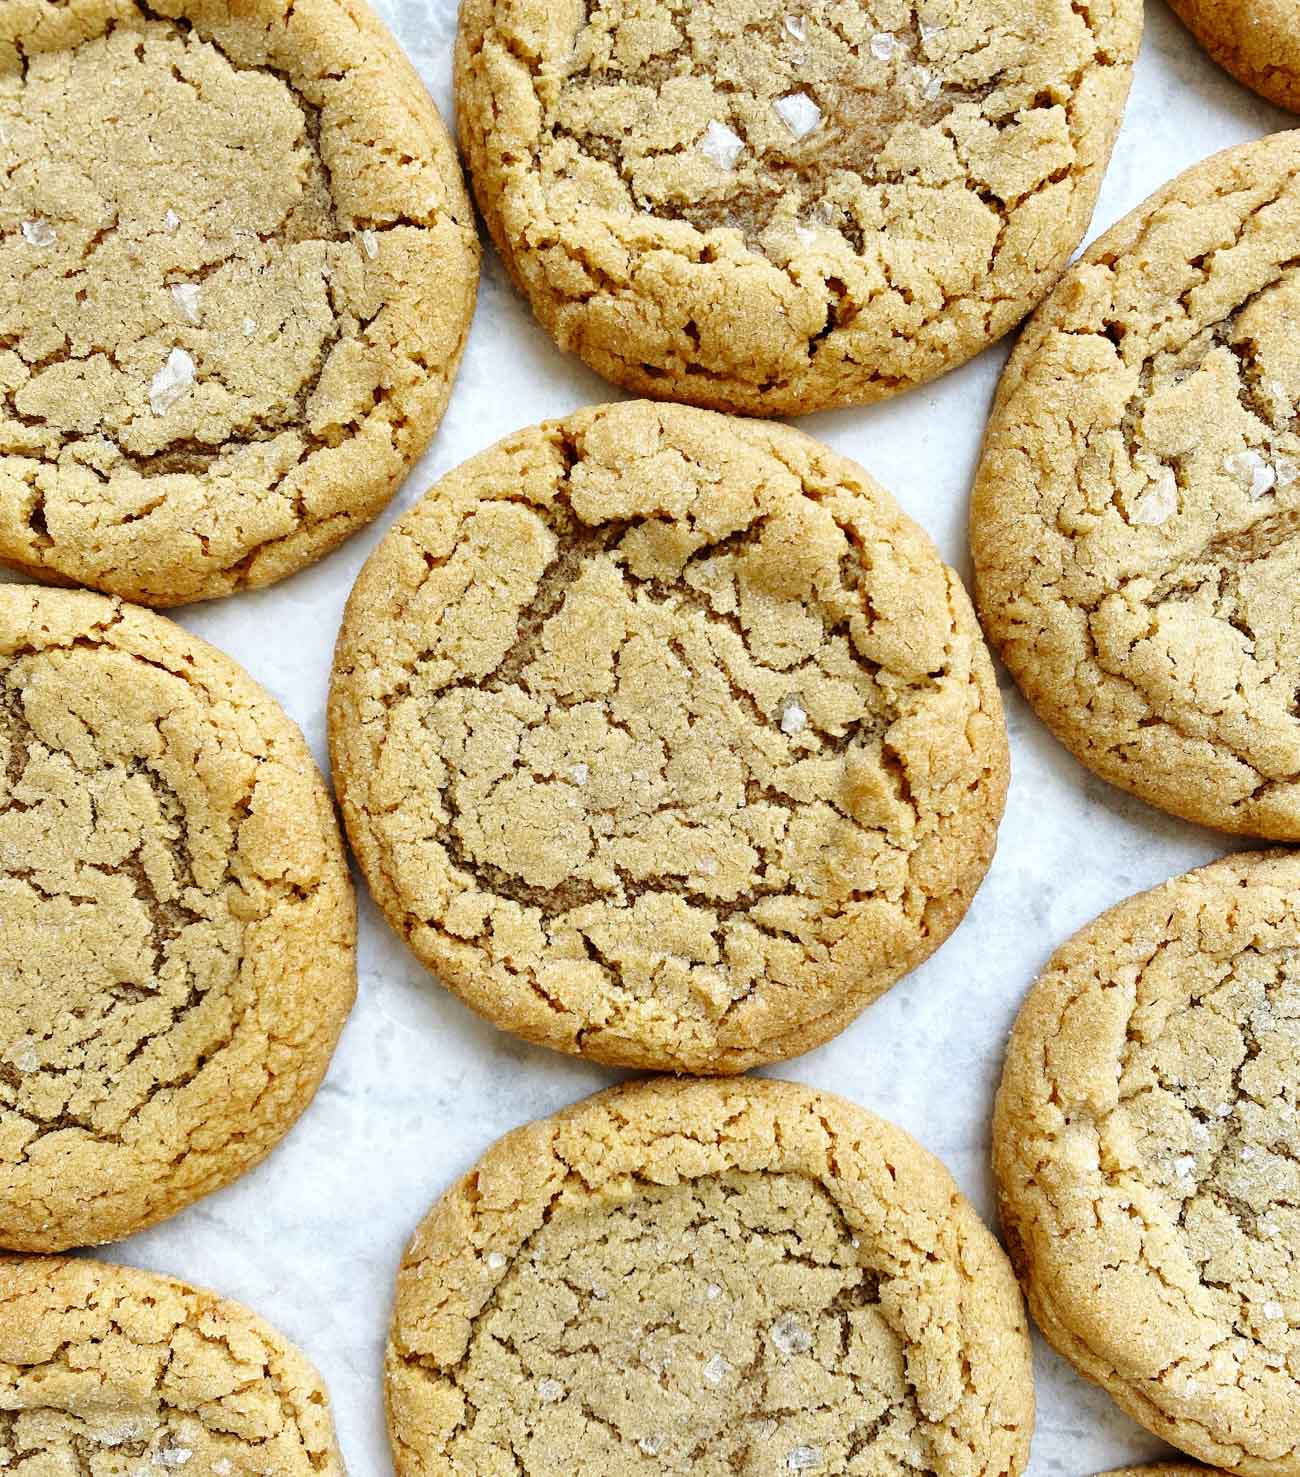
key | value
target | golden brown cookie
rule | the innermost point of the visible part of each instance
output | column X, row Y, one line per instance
column 177, row 955
column 111, row 1371
column 237, row 266
column 772, row 207
column 1258, row 41
column 666, row 738
column 1147, row 1147
column 717, row 1278
column 1134, row 518
column 1163, row 1469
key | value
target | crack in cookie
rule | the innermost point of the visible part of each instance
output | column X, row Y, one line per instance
column 666, row 739
column 197, row 347
column 176, row 974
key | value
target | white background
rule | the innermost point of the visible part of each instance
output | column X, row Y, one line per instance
column 420, row 1086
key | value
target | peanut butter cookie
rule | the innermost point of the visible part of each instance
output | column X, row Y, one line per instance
column 1163, row 1469
column 111, row 1371
column 715, row 1278
column 1256, row 40
column 177, row 954
column 1134, row 518
column 1147, row 1145
column 771, row 206
column 666, row 738
column 237, row 267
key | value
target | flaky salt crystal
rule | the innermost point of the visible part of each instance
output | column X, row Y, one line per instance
column 1158, row 503
column 803, row 1459
column 721, row 145
column 798, row 112
column 186, row 295
column 793, row 718
column 715, row 1371
column 550, row 1391
column 883, row 45
column 797, row 27
column 790, row 1336
column 39, row 233
column 370, row 244
column 171, row 382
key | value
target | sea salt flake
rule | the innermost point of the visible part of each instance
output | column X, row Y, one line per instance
column 931, row 84
column 579, row 774
column 173, row 1456
column 1223, row 1111
column 1184, row 1164
column 495, row 1261
column 721, row 145
column 1272, row 1310
column 250, row 327
column 715, row 1371
column 804, row 236
column 798, row 112
column 171, row 382
column 790, row 1336
column 370, row 244
column 712, row 1291
column 803, row 1459
column 793, row 718
column 1158, row 503
column 550, row 1391
column 928, row 33
column 171, row 220
column 883, row 45
column 221, row 1467
column 23, row 1054
column 650, row 1445
column 1251, row 468
column 38, row 233
column 1247, row 1155
column 797, row 27
column 187, row 299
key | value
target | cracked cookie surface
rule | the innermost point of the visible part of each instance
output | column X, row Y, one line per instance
column 1148, row 1156
column 107, row 1370
column 1135, row 514
column 771, row 207
column 237, row 266
column 1255, row 41
column 179, row 930
column 744, row 1277
column 1162, row 1469
column 666, row 738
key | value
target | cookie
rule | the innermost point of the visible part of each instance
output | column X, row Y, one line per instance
column 772, row 207
column 178, row 949
column 716, row 1278
column 1147, row 1149
column 666, row 738
column 105, row 1369
column 1133, row 521
column 237, row 266
column 1162, row 1469
column 1255, row 40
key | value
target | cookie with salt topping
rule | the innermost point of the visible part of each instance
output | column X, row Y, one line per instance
column 773, row 207
column 665, row 738
column 1255, row 40
column 178, row 951
column 109, row 1370
column 1147, row 1148
column 237, row 266
column 741, row 1277
column 1134, row 518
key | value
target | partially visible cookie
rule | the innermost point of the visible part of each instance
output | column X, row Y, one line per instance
column 1163, row 1469
column 1134, row 519
column 1147, row 1146
column 237, row 267
column 1256, row 40
column 107, row 1370
column 716, row 1278
column 666, row 738
column 771, row 207
column 178, row 950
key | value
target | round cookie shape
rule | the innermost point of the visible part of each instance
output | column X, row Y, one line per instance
column 178, row 950
column 715, row 1277
column 107, row 1369
column 1148, row 1158
column 1133, row 520
column 666, row 738
column 771, row 207
column 239, row 265
column 1255, row 40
